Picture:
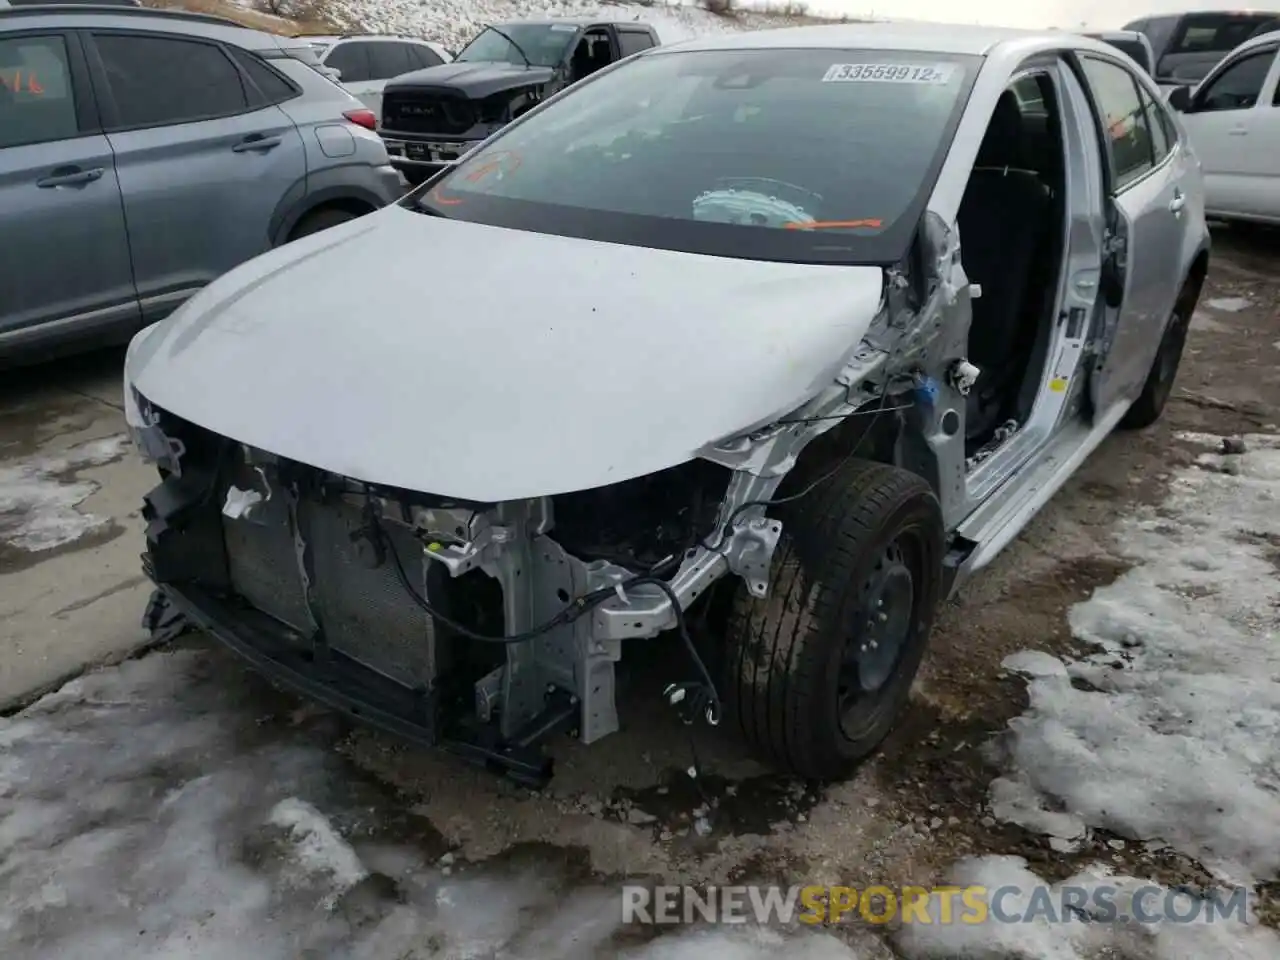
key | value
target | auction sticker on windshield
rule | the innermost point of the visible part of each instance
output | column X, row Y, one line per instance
column 888, row 73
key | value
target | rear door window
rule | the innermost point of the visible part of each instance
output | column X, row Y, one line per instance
column 351, row 60
column 1115, row 91
column 389, row 59
column 37, row 103
column 424, row 56
column 1158, row 125
column 633, row 41
column 273, row 87
column 161, row 80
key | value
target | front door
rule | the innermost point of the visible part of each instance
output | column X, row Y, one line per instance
column 202, row 164
column 1148, row 201
column 64, row 256
column 1231, row 123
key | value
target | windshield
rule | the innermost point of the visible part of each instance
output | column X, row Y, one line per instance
column 544, row 44
column 808, row 156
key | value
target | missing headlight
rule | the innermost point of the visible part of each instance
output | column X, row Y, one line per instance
column 639, row 523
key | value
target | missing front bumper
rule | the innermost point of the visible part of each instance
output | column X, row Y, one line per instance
column 349, row 687
column 354, row 596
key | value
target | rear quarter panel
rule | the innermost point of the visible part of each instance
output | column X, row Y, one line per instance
column 324, row 102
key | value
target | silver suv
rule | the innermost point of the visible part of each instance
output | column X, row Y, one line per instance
column 144, row 153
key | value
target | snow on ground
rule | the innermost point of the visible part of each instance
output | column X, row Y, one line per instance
column 1228, row 304
column 454, row 22
column 152, row 810
column 39, row 495
column 1170, row 732
column 165, row 809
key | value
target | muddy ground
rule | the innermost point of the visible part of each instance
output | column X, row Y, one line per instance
column 626, row 808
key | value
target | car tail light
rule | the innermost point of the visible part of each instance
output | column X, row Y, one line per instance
column 362, row 118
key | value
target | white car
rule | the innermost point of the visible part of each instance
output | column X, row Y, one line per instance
column 364, row 63
column 1233, row 121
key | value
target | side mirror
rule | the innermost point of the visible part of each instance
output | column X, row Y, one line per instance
column 1180, row 99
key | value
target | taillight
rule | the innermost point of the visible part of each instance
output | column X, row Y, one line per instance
column 362, row 118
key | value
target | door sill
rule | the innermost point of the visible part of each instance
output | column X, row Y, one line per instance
column 1011, row 507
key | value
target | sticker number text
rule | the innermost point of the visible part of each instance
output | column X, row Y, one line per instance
column 888, row 73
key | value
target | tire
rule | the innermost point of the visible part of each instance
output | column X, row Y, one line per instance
column 318, row 220
column 806, row 685
column 1147, row 408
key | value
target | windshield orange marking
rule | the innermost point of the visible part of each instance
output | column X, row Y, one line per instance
column 837, row 225
column 442, row 200
column 505, row 159
column 33, row 84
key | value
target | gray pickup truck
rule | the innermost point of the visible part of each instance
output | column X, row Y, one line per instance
column 432, row 117
column 1187, row 45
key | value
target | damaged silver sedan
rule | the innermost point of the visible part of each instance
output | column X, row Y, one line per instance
column 754, row 347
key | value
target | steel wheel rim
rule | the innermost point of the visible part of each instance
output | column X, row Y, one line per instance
column 883, row 629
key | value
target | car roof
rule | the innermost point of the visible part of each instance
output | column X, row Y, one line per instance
column 176, row 21
column 342, row 37
column 903, row 35
column 575, row 21
column 1117, row 35
column 1184, row 14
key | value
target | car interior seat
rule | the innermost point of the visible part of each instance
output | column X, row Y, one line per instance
column 580, row 64
column 599, row 53
column 1003, row 219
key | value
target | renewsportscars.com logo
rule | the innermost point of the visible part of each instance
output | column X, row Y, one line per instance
column 1097, row 903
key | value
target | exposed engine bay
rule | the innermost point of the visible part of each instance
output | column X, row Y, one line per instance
column 482, row 627
column 394, row 590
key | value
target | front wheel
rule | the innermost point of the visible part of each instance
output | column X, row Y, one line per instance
column 819, row 671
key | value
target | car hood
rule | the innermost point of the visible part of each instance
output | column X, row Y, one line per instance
column 477, row 80
column 490, row 364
